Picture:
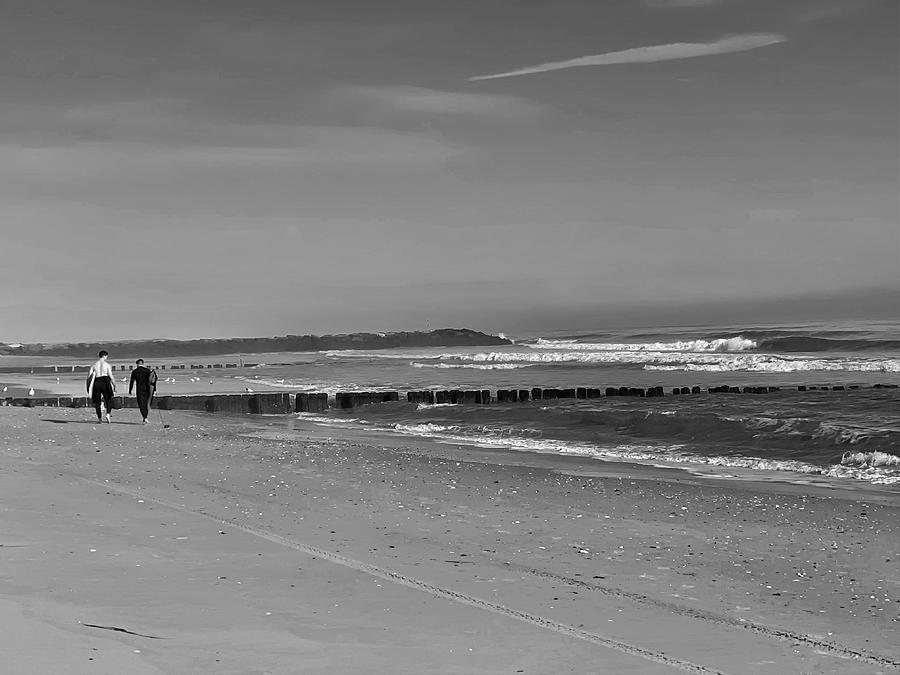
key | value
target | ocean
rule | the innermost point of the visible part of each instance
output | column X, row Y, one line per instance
column 848, row 437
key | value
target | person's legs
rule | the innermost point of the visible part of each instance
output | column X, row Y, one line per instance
column 96, row 397
column 107, row 399
column 102, row 392
column 143, row 400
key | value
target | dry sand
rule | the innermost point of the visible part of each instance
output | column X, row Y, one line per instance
column 260, row 545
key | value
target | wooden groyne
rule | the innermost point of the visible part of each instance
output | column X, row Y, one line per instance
column 279, row 403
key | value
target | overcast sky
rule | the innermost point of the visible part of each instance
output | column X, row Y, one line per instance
column 208, row 168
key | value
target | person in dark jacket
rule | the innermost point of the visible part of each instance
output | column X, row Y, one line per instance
column 143, row 380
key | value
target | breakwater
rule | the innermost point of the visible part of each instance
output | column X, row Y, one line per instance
column 283, row 403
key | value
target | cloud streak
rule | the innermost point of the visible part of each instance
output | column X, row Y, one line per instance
column 653, row 53
column 430, row 102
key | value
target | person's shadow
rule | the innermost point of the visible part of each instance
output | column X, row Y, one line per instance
column 47, row 419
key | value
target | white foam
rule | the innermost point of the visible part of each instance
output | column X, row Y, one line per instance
column 874, row 475
column 771, row 363
column 883, row 473
column 426, row 429
column 375, row 354
column 279, row 383
column 870, row 459
column 326, row 421
column 878, row 467
column 719, row 355
column 729, row 344
column 308, row 386
column 473, row 366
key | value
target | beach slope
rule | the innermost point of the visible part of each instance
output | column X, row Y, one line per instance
column 234, row 545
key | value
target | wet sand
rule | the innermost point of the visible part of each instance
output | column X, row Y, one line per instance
column 267, row 545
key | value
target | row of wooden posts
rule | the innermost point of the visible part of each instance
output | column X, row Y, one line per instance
column 283, row 403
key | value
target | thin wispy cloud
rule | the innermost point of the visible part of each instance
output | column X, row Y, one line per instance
column 653, row 53
column 421, row 100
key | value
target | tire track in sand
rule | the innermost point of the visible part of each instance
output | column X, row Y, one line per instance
column 431, row 589
column 831, row 648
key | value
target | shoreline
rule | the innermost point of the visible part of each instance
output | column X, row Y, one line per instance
column 851, row 489
column 733, row 577
column 282, row 405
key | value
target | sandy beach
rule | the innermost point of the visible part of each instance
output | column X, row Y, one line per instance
column 263, row 545
column 483, row 338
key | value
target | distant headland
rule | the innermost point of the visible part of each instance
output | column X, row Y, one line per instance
column 443, row 337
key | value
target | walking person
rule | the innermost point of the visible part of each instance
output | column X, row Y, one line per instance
column 143, row 380
column 101, row 385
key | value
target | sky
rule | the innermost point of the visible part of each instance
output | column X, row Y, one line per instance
column 229, row 168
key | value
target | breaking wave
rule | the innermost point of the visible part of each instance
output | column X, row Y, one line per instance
column 870, row 460
column 856, row 442
column 730, row 344
column 473, row 366
column 768, row 363
column 683, row 361
column 874, row 467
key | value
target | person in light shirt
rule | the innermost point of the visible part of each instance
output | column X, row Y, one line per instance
column 101, row 385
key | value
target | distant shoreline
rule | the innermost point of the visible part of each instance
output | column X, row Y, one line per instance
column 443, row 337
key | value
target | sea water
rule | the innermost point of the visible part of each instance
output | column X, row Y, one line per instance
column 818, row 435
